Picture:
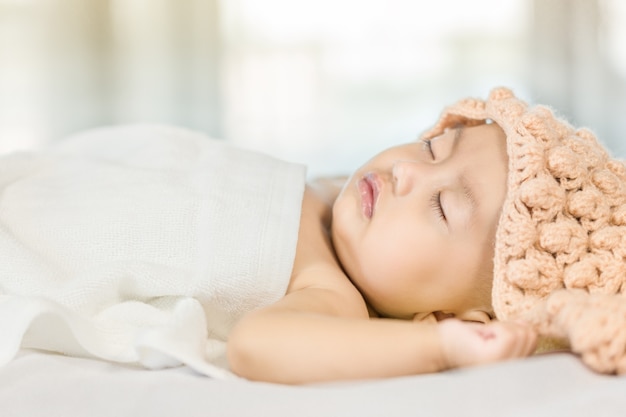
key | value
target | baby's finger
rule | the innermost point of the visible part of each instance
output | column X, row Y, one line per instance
column 525, row 338
column 531, row 339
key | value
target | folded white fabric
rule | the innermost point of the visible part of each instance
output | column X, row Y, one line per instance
column 142, row 244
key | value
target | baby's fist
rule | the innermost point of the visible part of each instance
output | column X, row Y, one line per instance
column 467, row 344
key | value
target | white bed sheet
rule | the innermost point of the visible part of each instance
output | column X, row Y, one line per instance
column 41, row 384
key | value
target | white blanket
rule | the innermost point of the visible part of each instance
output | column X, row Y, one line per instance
column 142, row 244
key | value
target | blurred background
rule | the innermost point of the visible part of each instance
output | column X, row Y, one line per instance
column 323, row 82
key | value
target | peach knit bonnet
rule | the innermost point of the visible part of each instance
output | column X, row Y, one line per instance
column 560, row 250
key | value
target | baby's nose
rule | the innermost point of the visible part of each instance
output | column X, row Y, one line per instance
column 406, row 174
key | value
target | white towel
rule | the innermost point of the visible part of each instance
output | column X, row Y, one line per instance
column 142, row 244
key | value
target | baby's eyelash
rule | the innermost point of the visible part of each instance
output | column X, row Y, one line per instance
column 429, row 147
column 435, row 203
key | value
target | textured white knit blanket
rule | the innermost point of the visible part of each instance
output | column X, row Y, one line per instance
column 142, row 244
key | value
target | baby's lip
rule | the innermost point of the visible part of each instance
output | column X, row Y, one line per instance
column 369, row 189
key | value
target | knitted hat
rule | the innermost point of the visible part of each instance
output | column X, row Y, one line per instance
column 560, row 252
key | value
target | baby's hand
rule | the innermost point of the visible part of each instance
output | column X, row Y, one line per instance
column 475, row 343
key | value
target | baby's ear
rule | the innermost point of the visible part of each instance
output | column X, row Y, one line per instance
column 433, row 317
column 425, row 317
column 476, row 316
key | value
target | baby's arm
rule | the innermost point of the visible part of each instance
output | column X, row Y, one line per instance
column 321, row 329
column 295, row 341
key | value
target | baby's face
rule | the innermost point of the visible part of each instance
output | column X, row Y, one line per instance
column 414, row 227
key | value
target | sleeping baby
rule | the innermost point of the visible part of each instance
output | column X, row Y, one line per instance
column 498, row 231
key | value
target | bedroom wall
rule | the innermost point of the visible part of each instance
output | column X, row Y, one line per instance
column 323, row 82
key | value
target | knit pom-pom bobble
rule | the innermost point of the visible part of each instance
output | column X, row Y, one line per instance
column 595, row 325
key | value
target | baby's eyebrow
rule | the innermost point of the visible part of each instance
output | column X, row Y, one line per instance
column 459, row 129
column 470, row 196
